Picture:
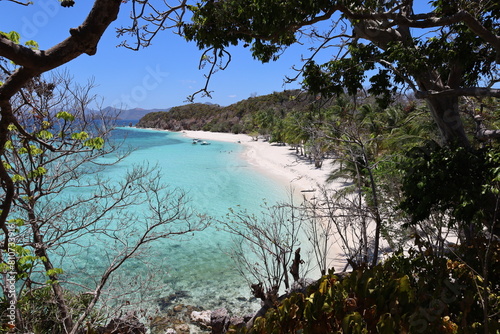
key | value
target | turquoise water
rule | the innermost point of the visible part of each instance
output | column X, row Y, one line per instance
column 198, row 269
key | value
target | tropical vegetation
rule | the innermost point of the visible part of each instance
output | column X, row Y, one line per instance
column 407, row 104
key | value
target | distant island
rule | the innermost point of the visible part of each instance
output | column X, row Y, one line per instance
column 130, row 114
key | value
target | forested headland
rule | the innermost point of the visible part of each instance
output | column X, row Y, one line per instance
column 244, row 116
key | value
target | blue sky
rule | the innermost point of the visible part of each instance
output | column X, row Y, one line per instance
column 160, row 76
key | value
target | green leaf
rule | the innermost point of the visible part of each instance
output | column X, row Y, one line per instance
column 44, row 134
column 386, row 324
column 54, row 271
column 65, row 116
column 28, row 259
column 405, row 289
column 32, row 44
column 17, row 178
column 37, row 173
column 352, row 323
column 21, row 251
column 34, row 150
column 94, row 143
column 4, row 267
column 6, row 165
column 16, row 221
column 323, row 286
column 80, row 135
column 13, row 36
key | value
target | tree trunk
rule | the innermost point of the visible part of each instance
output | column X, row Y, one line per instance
column 445, row 113
column 41, row 251
column 444, row 109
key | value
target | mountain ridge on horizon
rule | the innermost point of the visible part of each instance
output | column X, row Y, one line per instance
column 135, row 114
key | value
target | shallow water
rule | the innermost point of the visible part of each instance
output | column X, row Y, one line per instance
column 197, row 270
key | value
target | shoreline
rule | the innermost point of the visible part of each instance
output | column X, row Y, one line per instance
column 277, row 161
column 282, row 164
column 287, row 168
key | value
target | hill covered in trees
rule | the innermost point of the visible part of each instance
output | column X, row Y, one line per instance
column 242, row 117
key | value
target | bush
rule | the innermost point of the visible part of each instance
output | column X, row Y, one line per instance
column 39, row 310
column 416, row 293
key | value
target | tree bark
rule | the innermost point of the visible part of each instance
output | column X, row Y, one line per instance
column 444, row 111
column 443, row 107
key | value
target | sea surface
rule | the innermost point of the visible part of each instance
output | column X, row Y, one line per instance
column 197, row 270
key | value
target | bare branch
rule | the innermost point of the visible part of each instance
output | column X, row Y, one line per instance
column 21, row 2
column 216, row 63
column 159, row 20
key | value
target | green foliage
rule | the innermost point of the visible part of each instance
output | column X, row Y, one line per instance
column 17, row 221
column 45, row 135
column 449, row 180
column 13, row 36
column 65, row 116
column 383, row 41
column 210, row 24
column 38, row 308
column 26, row 261
column 492, row 184
column 418, row 293
column 54, row 271
column 80, row 135
column 94, row 143
column 348, row 75
column 32, row 44
column 18, row 178
column 40, row 171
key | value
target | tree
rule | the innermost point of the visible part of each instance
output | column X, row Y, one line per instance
column 62, row 205
column 265, row 245
column 442, row 52
column 416, row 293
column 296, row 130
column 31, row 63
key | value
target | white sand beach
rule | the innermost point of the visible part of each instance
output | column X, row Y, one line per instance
column 282, row 164
column 279, row 162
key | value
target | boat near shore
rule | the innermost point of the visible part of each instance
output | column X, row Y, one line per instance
column 199, row 141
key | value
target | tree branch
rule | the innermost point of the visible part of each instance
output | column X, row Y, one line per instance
column 21, row 2
column 83, row 39
column 472, row 91
column 430, row 20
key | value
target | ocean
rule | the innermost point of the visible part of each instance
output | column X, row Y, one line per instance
column 196, row 269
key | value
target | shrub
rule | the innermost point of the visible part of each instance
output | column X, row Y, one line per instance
column 414, row 293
